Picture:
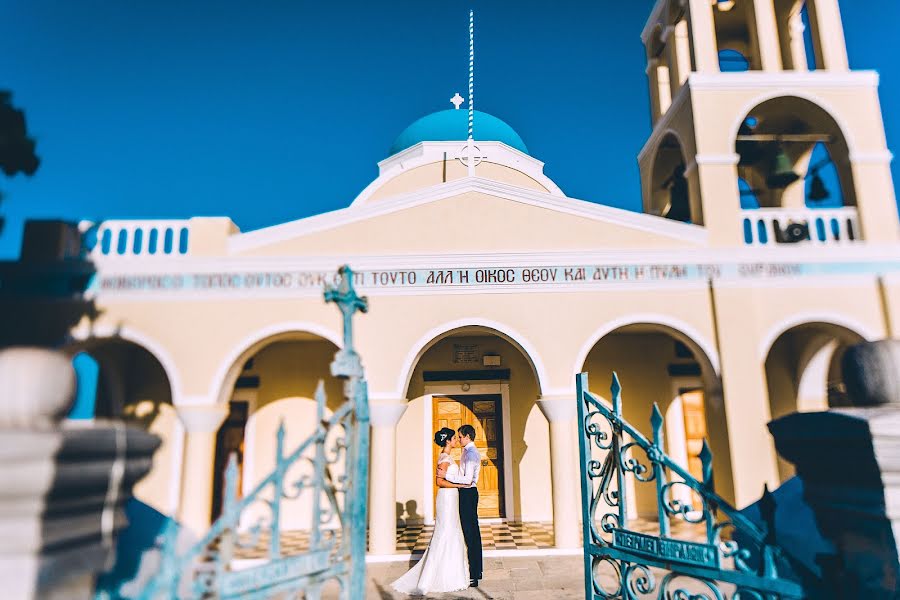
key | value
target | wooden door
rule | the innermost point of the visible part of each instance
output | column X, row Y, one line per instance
column 484, row 413
column 694, row 432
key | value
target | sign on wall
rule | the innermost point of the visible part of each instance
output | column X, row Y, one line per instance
column 511, row 277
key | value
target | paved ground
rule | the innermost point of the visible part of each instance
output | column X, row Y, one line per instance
column 507, row 578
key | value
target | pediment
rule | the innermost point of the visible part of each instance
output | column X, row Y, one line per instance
column 468, row 217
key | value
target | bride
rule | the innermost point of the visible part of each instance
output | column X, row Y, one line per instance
column 444, row 566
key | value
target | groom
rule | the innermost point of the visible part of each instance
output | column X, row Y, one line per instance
column 469, row 468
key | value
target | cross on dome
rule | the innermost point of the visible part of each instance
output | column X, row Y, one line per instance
column 457, row 100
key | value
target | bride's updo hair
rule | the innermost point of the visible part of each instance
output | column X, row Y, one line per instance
column 442, row 436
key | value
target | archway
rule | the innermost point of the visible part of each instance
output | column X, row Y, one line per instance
column 120, row 379
column 476, row 374
column 273, row 381
column 784, row 144
column 669, row 188
column 659, row 363
column 803, row 371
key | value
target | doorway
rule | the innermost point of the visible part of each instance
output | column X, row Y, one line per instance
column 484, row 412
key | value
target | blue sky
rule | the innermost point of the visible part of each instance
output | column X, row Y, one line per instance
column 271, row 111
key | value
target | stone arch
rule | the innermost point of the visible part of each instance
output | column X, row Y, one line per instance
column 436, row 334
column 272, row 376
column 501, row 404
column 126, row 380
column 661, row 361
column 229, row 368
column 803, row 368
column 791, row 126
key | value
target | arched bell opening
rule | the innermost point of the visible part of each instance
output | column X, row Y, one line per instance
column 670, row 195
column 793, row 154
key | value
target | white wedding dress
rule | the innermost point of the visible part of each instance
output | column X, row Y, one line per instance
column 444, row 566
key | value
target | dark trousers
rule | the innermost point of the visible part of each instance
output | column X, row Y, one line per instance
column 468, row 517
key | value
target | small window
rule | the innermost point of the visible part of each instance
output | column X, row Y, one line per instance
column 138, row 241
column 152, row 241
column 748, row 231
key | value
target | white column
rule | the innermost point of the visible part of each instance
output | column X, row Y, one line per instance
column 703, row 35
column 383, row 477
column 796, row 29
column 201, row 422
column 827, row 18
column 682, row 51
column 767, row 35
column 564, row 473
column 665, row 89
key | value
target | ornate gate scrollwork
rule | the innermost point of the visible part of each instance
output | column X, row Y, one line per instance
column 625, row 564
column 338, row 454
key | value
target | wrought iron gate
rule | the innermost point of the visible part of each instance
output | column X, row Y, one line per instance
column 342, row 439
column 622, row 563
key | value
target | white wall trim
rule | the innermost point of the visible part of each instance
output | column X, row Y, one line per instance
column 786, row 81
column 440, row 332
column 728, row 159
column 814, row 317
column 677, row 325
column 253, row 342
column 885, row 157
column 110, row 332
column 500, row 388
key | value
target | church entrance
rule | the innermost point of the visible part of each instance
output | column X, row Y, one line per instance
column 484, row 412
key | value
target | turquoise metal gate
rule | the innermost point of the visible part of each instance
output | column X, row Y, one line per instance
column 205, row 569
column 621, row 563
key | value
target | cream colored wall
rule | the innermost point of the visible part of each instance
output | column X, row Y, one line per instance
column 469, row 223
column 528, row 430
column 439, row 172
column 159, row 488
column 294, row 368
column 299, row 417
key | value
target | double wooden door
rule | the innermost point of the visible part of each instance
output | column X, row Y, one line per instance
column 484, row 413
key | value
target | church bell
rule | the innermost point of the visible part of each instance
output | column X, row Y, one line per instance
column 782, row 173
column 817, row 189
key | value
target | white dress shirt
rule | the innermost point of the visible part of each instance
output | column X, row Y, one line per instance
column 469, row 467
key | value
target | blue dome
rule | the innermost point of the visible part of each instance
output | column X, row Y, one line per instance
column 453, row 125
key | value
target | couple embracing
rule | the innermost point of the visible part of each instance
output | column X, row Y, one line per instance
column 452, row 561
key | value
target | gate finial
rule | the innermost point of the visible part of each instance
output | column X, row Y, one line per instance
column 346, row 362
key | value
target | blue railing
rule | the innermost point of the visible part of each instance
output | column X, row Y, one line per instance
column 621, row 563
column 338, row 451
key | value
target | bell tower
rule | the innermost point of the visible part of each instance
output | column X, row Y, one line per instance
column 761, row 132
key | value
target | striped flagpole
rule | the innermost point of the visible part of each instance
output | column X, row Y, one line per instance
column 471, row 91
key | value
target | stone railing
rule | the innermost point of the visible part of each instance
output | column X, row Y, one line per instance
column 64, row 482
column 134, row 239
column 771, row 226
column 848, row 479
